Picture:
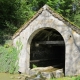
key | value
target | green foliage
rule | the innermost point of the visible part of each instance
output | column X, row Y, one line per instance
column 76, row 13
column 77, row 19
column 77, row 78
column 34, row 66
column 8, row 57
column 13, row 14
column 62, row 6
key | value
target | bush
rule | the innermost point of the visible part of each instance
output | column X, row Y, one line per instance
column 8, row 57
column 77, row 78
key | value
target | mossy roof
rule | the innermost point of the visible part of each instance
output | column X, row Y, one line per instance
column 55, row 14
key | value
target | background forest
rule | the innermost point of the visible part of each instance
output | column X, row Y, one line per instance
column 13, row 13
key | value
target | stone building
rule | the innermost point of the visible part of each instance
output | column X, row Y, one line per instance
column 48, row 39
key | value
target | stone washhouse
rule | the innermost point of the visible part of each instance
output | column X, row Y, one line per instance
column 48, row 39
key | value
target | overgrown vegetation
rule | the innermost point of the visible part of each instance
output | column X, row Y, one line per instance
column 34, row 66
column 67, row 78
column 8, row 57
column 77, row 78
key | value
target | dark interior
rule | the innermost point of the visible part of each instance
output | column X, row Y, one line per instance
column 47, row 49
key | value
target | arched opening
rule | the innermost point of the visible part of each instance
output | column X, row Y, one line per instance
column 47, row 49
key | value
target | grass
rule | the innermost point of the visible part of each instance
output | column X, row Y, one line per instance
column 8, row 76
column 64, row 78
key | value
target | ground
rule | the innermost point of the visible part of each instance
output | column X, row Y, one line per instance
column 7, row 76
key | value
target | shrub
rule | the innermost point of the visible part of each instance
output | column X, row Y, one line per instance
column 8, row 57
column 77, row 78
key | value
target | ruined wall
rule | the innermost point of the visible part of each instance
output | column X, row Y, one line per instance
column 72, row 44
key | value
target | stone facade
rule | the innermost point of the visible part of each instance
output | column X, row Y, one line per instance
column 47, row 18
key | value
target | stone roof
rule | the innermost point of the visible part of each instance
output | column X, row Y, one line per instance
column 55, row 14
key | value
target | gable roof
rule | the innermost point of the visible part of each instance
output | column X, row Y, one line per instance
column 55, row 14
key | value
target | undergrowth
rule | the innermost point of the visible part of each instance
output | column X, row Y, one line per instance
column 67, row 78
column 77, row 78
column 9, row 57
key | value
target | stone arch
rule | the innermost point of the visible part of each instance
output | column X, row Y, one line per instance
column 37, row 31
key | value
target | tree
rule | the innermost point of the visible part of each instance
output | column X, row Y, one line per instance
column 76, row 8
column 13, row 13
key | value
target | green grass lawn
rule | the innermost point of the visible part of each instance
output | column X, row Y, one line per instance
column 65, row 78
